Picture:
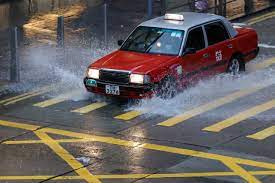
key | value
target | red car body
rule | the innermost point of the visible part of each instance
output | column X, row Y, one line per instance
column 201, row 64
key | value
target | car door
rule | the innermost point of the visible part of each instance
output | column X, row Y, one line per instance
column 193, row 63
column 220, row 47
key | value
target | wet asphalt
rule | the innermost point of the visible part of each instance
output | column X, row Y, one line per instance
column 137, row 150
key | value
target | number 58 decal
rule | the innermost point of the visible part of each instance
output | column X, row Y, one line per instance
column 218, row 55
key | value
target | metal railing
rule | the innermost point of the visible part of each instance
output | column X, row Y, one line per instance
column 12, row 40
column 227, row 8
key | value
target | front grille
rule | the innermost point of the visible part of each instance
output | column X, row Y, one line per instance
column 114, row 76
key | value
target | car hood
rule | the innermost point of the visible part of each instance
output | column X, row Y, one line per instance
column 132, row 61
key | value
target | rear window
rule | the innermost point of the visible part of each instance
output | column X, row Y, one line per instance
column 216, row 32
column 196, row 39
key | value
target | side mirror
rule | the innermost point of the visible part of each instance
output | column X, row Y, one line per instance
column 190, row 51
column 120, row 42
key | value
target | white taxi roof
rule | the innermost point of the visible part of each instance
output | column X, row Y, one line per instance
column 191, row 19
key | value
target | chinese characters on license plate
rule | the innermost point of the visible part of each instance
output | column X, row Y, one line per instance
column 112, row 89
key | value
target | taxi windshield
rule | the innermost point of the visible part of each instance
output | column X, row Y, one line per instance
column 154, row 40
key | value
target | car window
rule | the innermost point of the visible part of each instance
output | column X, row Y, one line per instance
column 196, row 39
column 216, row 32
column 154, row 40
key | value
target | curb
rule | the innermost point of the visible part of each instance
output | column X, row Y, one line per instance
column 268, row 9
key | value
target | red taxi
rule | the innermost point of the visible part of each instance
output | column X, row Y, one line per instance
column 165, row 54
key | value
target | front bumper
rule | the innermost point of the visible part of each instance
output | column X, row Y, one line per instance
column 126, row 90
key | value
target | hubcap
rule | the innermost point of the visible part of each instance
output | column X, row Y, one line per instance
column 234, row 67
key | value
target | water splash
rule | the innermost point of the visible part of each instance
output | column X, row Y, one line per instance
column 46, row 65
column 206, row 91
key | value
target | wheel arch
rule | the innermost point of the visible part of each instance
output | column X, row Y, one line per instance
column 239, row 56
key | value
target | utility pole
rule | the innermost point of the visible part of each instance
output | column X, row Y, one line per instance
column 163, row 7
column 60, row 32
column 105, row 23
column 248, row 6
column 149, row 8
column 15, row 65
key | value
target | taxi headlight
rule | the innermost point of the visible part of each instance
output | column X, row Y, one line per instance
column 139, row 78
column 93, row 73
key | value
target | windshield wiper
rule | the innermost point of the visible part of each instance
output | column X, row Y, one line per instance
column 153, row 42
column 130, row 42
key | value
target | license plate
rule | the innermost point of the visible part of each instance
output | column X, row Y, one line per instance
column 91, row 82
column 112, row 89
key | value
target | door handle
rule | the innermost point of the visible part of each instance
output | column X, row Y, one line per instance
column 206, row 55
column 230, row 46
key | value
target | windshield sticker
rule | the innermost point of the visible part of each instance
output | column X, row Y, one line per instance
column 173, row 34
column 179, row 35
column 176, row 34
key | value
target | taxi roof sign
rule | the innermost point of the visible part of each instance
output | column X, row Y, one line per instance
column 169, row 16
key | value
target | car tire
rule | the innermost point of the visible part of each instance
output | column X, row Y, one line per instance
column 167, row 88
column 236, row 66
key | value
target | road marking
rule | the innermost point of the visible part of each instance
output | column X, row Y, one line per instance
column 240, row 171
column 41, row 142
column 129, row 115
column 133, row 114
column 15, row 97
column 209, row 106
column 19, row 125
column 56, row 100
column 231, row 162
column 49, row 102
column 66, row 156
column 261, row 18
column 240, row 117
column 263, row 64
column 23, row 96
column 263, row 45
column 261, row 135
column 89, row 108
column 217, row 103
column 137, row 176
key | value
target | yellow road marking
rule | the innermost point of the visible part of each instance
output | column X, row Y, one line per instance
column 41, row 142
column 261, row 18
column 137, row 176
column 110, row 140
column 209, row 106
column 56, row 100
column 25, row 97
column 11, row 99
column 263, row 64
column 217, row 103
column 240, row 117
column 240, row 171
column 66, row 156
column 89, row 108
column 49, row 102
column 19, row 125
column 39, row 177
column 115, row 141
column 201, row 174
column 268, row 132
column 129, row 115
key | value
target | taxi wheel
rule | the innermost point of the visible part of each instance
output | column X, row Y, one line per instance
column 236, row 66
column 167, row 88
